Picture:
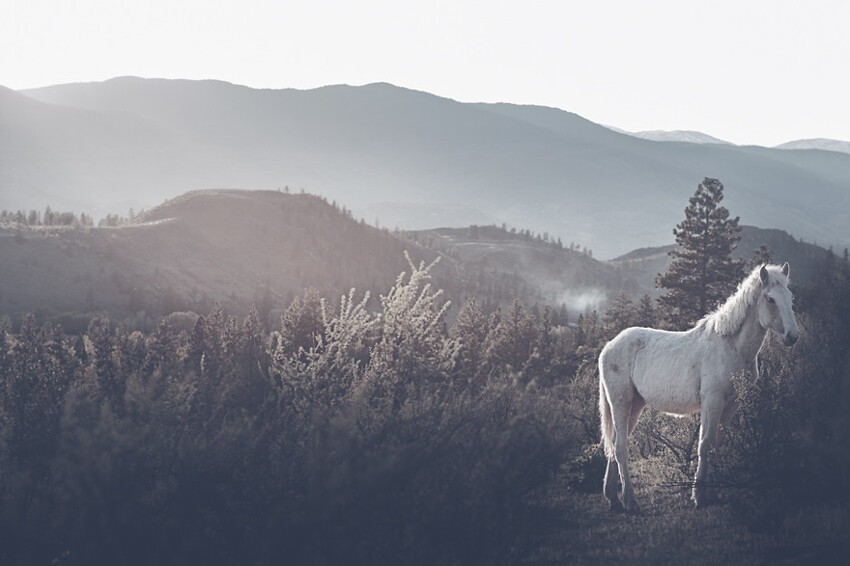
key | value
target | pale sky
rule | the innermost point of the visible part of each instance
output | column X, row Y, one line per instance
column 748, row 71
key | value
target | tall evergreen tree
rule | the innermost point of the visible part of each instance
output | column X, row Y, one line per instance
column 301, row 324
column 512, row 342
column 702, row 273
column 465, row 349
column 620, row 314
column 645, row 312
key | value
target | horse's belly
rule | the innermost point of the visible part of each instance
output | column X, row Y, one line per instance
column 677, row 408
column 670, row 392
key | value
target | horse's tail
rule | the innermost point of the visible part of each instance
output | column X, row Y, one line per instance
column 606, row 421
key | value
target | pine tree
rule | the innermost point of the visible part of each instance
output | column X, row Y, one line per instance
column 512, row 342
column 619, row 315
column 105, row 360
column 197, row 345
column 702, row 273
column 645, row 315
column 301, row 324
column 466, row 341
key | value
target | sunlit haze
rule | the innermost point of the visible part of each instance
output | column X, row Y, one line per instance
column 751, row 73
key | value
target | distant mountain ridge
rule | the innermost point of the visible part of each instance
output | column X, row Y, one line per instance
column 688, row 136
column 406, row 158
column 817, row 143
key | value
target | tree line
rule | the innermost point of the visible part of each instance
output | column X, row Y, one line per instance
column 35, row 219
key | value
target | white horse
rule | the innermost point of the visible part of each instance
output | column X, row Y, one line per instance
column 684, row 372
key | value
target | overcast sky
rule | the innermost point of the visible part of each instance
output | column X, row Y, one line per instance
column 748, row 71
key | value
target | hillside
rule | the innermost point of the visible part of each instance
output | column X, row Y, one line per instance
column 409, row 159
column 265, row 247
column 237, row 247
column 530, row 268
column 806, row 259
column 817, row 143
column 688, row 136
column 78, row 158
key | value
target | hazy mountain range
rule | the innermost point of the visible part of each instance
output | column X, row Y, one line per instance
column 691, row 136
column 406, row 158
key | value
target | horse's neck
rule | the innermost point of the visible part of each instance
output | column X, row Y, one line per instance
column 749, row 338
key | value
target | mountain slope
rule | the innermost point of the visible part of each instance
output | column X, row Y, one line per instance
column 817, row 143
column 83, row 158
column 244, row 247
column 410, row 159
column 503, row 265
column 688, row 136
column 236, row 247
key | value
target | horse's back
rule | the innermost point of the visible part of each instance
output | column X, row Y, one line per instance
column 628, row 343
column 659, row 364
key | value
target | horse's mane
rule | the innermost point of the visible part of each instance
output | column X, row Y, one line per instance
column 729, row 316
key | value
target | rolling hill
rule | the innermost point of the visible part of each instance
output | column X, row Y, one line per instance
column 409, row 159
column 264, row 247
column 236, row 247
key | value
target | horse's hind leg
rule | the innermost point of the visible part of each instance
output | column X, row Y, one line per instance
column 612, row 487
column 622, row 414
column 638, row 405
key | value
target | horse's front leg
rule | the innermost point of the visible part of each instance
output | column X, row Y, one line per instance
column 709, row 418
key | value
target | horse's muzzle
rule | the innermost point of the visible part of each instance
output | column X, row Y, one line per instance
column 791, row 339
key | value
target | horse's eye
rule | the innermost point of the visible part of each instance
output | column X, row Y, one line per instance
column 771, row 300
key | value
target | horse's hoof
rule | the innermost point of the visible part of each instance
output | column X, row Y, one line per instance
column 632, row 508
column 705, row 499
column 616, row 506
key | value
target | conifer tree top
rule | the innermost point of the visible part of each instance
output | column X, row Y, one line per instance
column 702, row 272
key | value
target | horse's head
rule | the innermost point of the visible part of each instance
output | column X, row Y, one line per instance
column 774, row 303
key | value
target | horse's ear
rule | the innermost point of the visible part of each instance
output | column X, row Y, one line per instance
column 785, row 269
column 763, row 275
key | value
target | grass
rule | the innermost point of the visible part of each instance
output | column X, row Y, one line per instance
column 577, row 528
